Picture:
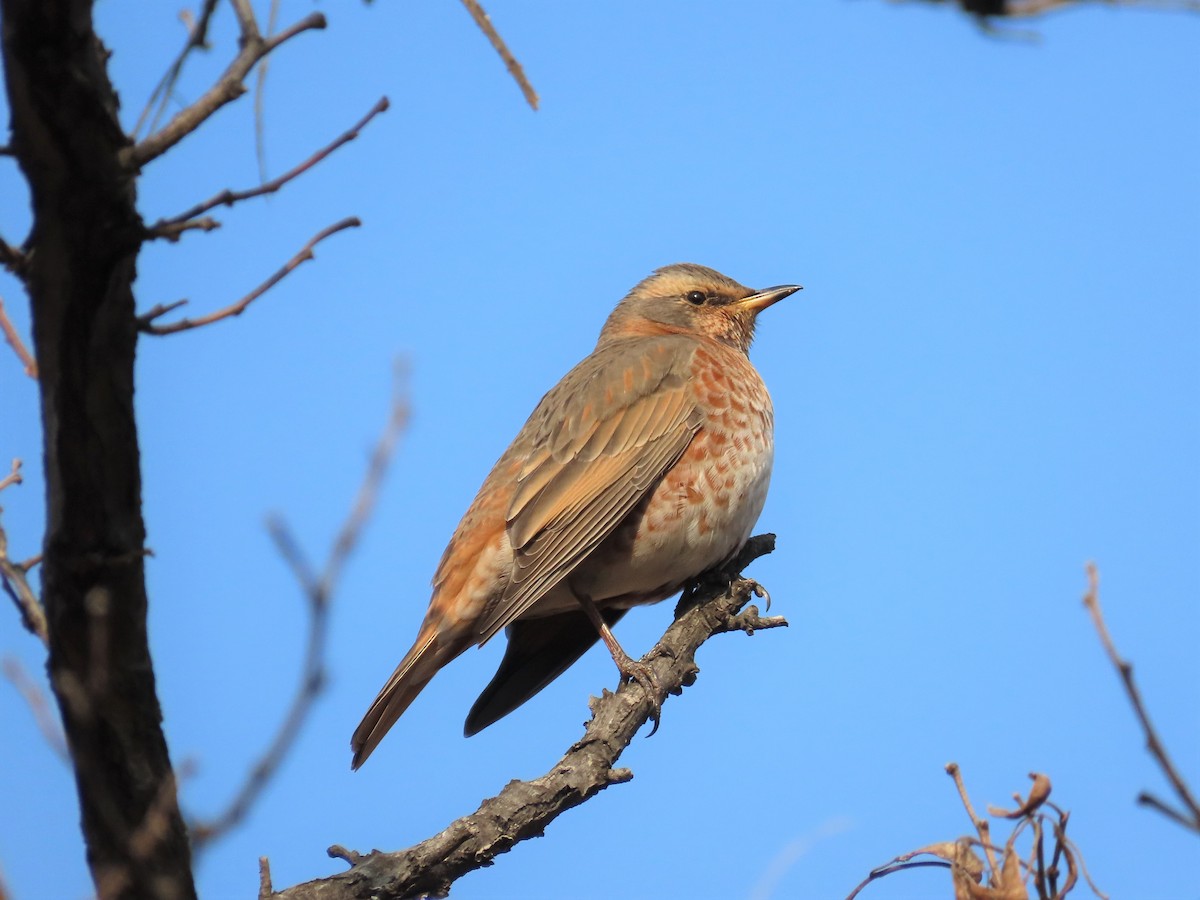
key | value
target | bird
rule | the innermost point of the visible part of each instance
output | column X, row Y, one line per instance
column 646, row 466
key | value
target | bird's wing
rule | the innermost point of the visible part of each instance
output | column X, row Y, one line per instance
column 601, row 439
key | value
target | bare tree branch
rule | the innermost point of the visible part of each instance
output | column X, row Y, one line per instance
column 989, row 11
column 13, row 259
column 36, row 700
column 145, row 322
column 197, row 39
column 12, row 575
column 174, row 230
column 318, row 593
column 13, row 477
column 229, row 87
column 260, row 97
column 1190, row 816
column 982, row 826
column 169, row 228
column 510, row 62
column 1025, row 9
column 14, row 341
column 525, row 809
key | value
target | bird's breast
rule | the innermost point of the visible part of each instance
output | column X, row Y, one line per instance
column 704, row 508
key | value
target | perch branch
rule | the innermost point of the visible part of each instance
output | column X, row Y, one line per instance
column 318, row 592
column 525, row 809
column 145, row 322
column 1190, row 817
column 170, row 228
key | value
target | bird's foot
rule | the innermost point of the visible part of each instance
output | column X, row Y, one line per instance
column 634, row 670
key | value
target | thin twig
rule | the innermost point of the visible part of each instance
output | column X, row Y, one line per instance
column 368, row 492
column 14, row 341
column 260, row 87
column 35, row 699
column 197, row 39
column 172, row 231
column 145, row 322
column 13, row 477
column 1003, row 10
column 229, row 86
column 163, row 227
column 981, row 824
column 510, row 62
column 13, row 259
column 887, row 869
column 318, row 591
column 1026, row 9
column 12, row 575
column 1190, row 818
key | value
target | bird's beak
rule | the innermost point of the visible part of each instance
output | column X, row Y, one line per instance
column 760, row 300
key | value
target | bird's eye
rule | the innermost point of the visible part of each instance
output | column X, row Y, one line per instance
column 696, row 298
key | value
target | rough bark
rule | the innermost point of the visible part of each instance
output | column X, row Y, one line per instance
column 81, row 266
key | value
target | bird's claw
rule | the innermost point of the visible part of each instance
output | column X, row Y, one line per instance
column 762, row 593
column 640, row 672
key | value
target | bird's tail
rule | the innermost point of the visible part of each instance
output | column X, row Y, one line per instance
column 419, row 665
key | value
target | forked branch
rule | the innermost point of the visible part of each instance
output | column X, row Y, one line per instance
column 230, row 86
column 197, row 38
column 171, row 228
column 146, row 323
column 1189, row 815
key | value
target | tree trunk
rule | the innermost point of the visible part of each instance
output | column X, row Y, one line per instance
column 81, row 265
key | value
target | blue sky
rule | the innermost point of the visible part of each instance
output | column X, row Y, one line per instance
column 991, row 378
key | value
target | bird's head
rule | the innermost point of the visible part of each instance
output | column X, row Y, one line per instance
column 689, row 299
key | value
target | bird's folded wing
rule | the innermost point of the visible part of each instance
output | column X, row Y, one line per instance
column 590, row 467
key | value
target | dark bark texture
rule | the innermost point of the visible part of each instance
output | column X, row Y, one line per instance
column 79, row 275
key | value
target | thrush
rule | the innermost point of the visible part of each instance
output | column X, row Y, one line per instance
column 644, row 467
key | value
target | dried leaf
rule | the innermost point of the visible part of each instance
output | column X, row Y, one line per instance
column 1012, row 885
column 1038, row 794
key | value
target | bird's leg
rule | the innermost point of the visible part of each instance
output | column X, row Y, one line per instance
column 629, row 668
